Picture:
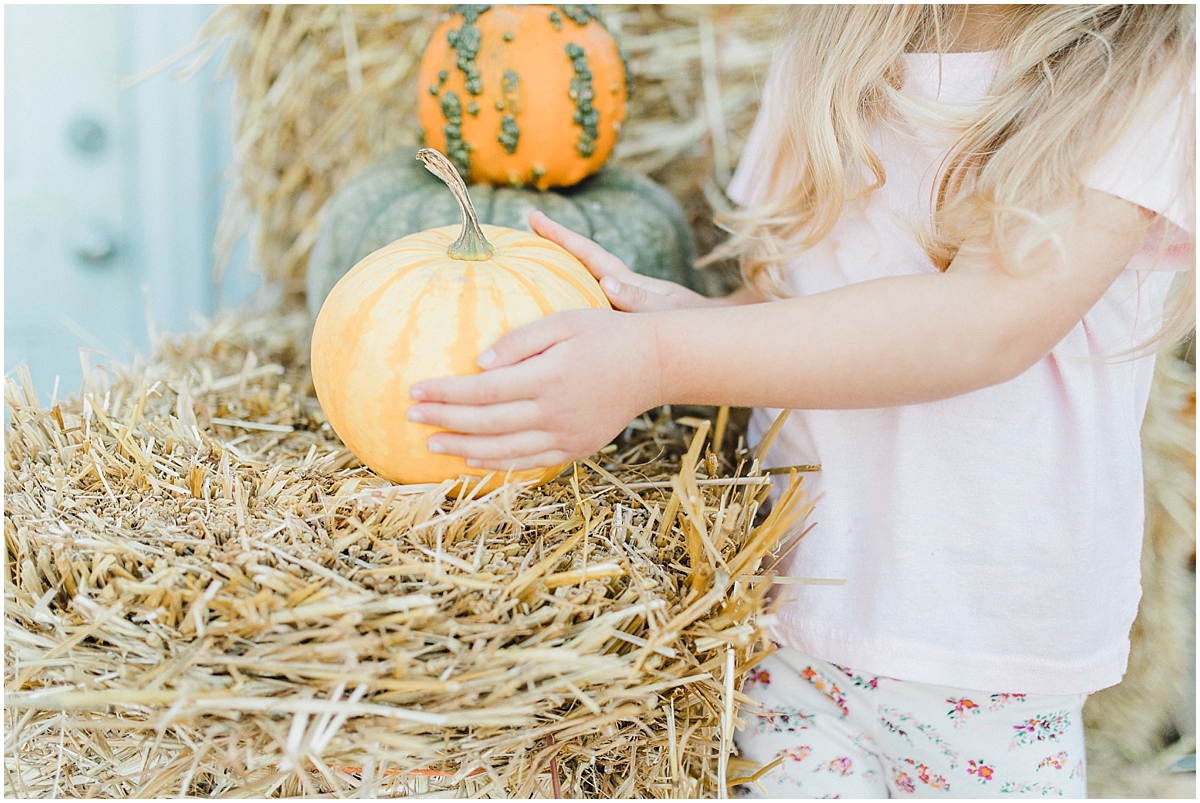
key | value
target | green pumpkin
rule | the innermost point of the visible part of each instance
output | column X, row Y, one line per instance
column 625, row 212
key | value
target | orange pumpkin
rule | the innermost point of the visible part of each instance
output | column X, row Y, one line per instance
column 423, row 307
column 523, row 95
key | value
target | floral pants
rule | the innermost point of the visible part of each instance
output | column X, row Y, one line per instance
column 833, row 732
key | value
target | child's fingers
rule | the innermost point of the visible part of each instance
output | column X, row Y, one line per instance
column 629, row 297
column 486, row 419
column 491, row 387
column 524, row 342
column 596, row 259
column 513, row 446
column 542, row 460
column 626, row 290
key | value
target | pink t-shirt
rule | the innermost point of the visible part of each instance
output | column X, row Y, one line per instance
column 988, row 541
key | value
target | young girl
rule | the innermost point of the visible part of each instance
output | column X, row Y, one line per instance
column 966, row 221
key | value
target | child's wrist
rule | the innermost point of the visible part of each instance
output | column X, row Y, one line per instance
column 659, row 365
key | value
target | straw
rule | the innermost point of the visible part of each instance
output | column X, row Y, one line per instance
column 1130, row 726
column 206, row 594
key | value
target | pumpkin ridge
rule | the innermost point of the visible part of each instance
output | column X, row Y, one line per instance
column 535, row 253
column 401, row 352
column 468, row 304
column 366, row 306
column 352, row 328
column 529, row 240
column 515, row 238
column 364, row 266
column 432, row 241
column 535, row 292
column 496, row 299
column 564, row 274
column 389, row 250
column 437, row 238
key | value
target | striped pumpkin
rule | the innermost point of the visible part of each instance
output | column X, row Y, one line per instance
column 426, row 306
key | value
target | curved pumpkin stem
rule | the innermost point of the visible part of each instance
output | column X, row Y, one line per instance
column 471, row 244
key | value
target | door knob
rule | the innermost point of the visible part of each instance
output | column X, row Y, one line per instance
column 92, row 241
column 88, row 136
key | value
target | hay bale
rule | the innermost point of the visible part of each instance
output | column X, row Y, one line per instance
column 323, row 91
column 205, row 594
column 1134, row 729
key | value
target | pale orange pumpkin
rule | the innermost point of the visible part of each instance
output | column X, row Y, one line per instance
column 427, row 306
column 523, row 95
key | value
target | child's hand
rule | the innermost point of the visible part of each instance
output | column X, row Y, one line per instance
column 563, row 386
column 625, row 289
column 552, row 391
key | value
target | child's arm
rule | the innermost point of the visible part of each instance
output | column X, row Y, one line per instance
column 563, row 386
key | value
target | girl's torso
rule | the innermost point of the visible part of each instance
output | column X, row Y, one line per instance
column 990, row 540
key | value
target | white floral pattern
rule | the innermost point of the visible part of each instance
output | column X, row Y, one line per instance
column 879, row 737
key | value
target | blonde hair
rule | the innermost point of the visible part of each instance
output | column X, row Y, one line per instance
column 1070, row 82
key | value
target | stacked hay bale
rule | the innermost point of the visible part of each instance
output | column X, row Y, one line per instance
column 205, row 594
column 325, row 91
column 1140, row 727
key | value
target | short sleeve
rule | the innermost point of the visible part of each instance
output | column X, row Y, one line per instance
column 1149, row 166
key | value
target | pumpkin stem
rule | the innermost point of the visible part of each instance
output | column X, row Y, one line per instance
column 471, row 244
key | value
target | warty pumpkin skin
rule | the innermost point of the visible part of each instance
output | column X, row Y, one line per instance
column 410, row 312
column 522, row 95
column 626, row 213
